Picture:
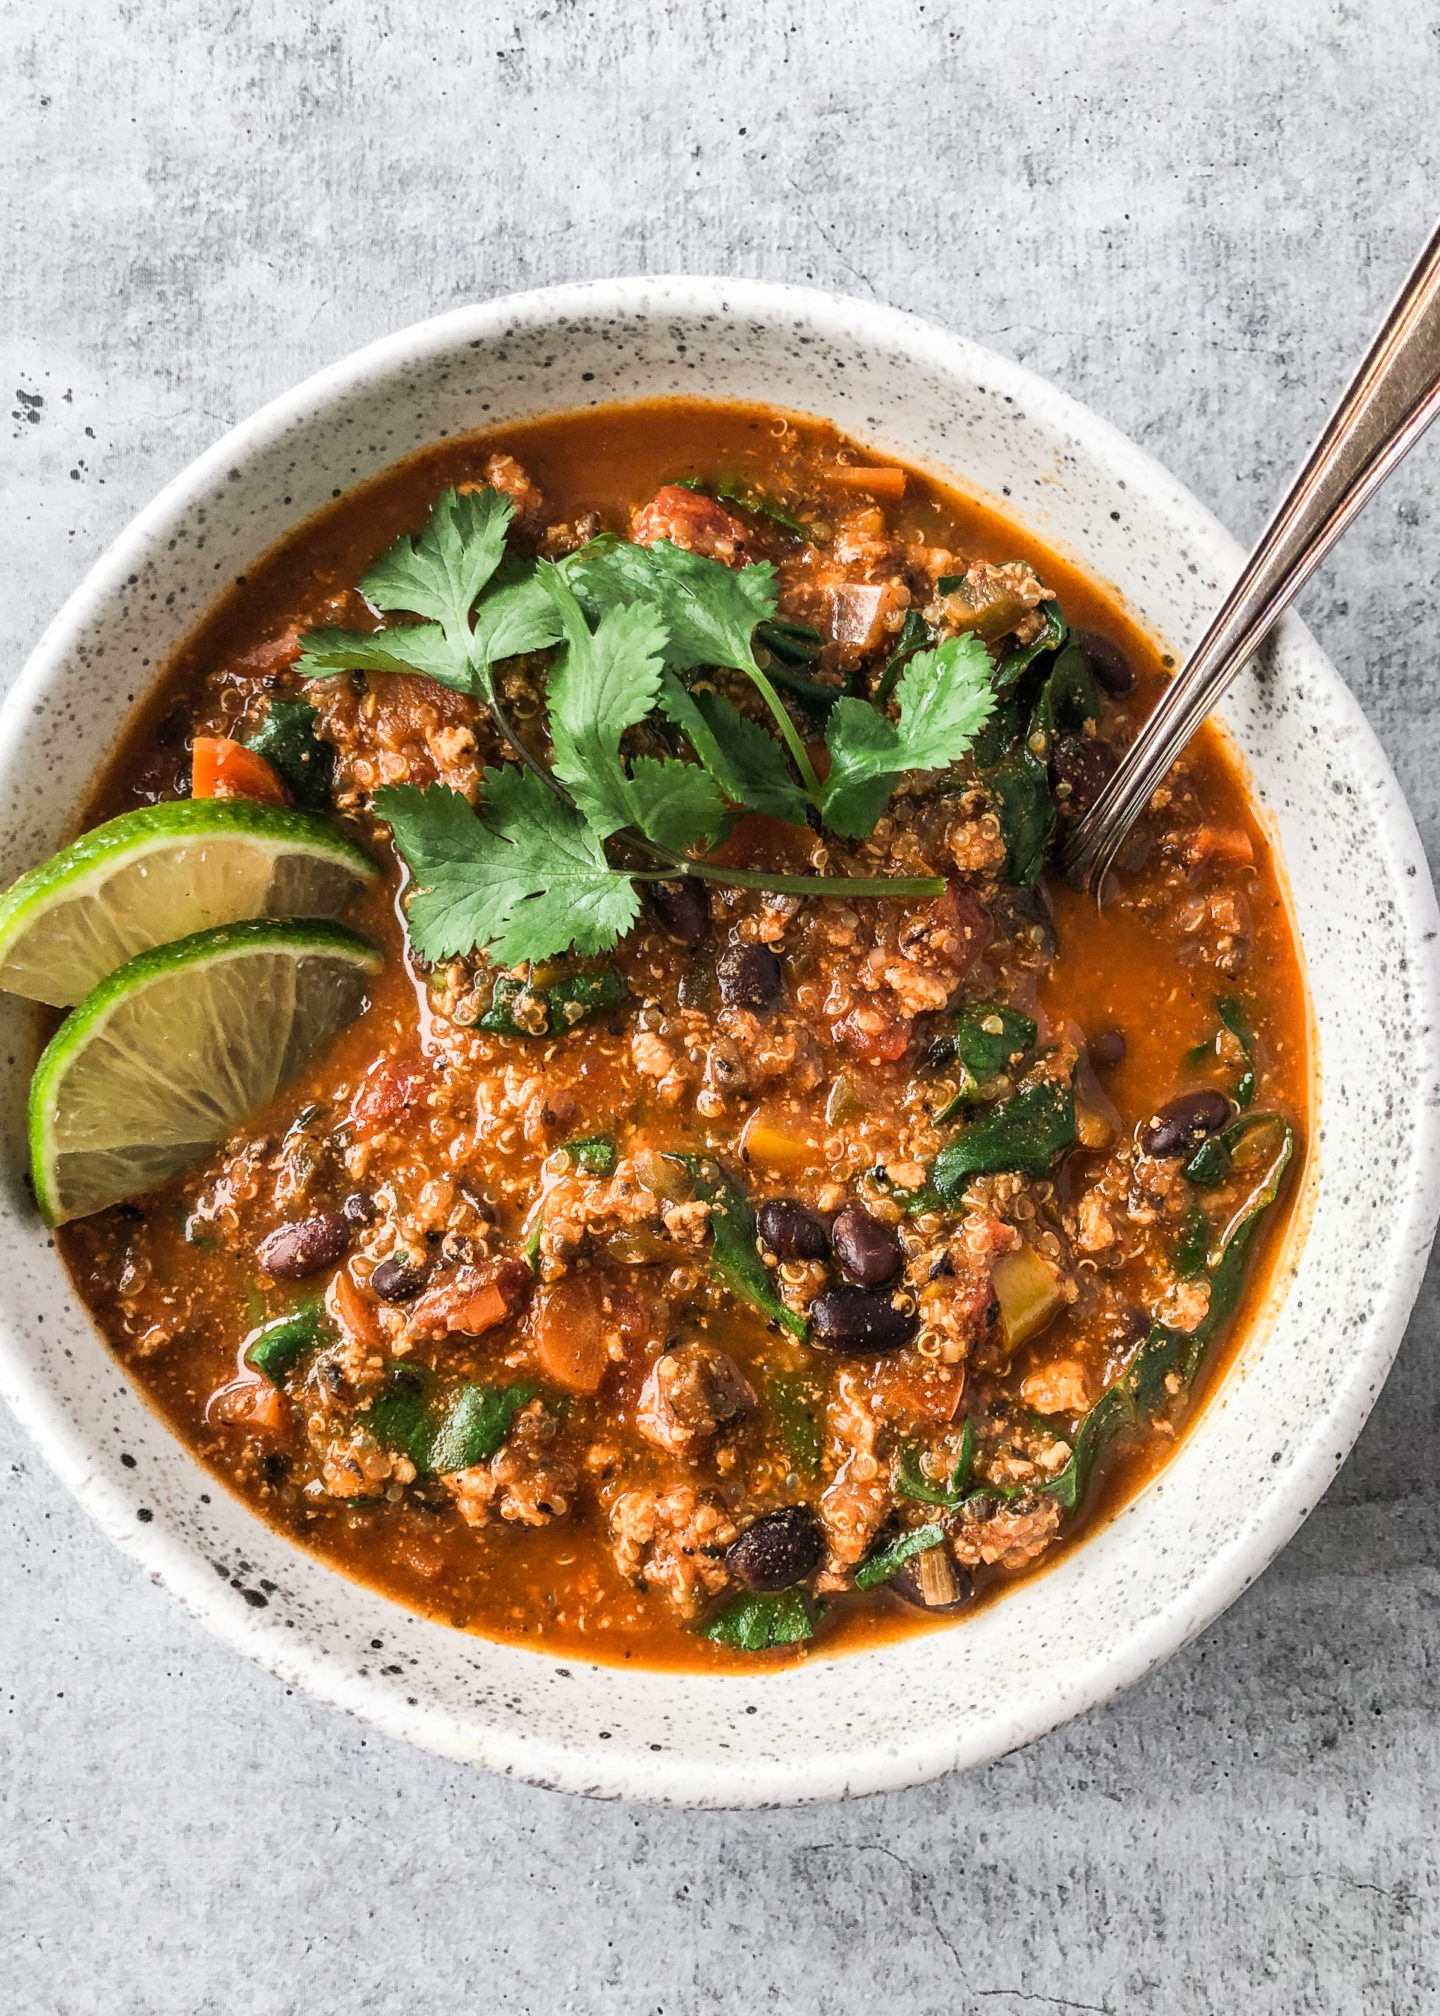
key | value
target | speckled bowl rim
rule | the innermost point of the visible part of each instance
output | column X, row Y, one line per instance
column 584, row 1764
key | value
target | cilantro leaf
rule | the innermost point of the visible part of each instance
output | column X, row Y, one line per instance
column 528, row 881
column 516, row 614
column 709, row 610
column 945, row 695
column 745, row 760
column 605, row 682
column 675, row 804
column 410, row 647
column 440, row 573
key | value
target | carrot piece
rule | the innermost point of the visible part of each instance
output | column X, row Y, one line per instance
column 568, row 1329
column 248, row 1402
column 352, row 1312
column 875, row 482
column 226, row 769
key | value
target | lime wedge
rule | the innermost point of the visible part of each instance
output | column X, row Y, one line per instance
column 161, row 873
column 171, row 1053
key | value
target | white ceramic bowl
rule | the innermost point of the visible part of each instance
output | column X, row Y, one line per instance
column 1265, row 1447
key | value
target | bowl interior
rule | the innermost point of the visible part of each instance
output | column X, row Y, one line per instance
column 1268, row 1442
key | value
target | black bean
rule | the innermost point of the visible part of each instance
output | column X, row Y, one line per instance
column 697, row 984
column 857, row 1320
column 172, row 729
column 682, row 909
column 779, row 1550
column 1108, row 1049
column 790, row 1231
column 749, row 977
column 868, row 1249
column 938, row 1053
column 1108, row 663
column 1080, row 768
column 907, row 1584
column 1184, row 1122
column 397, row 1279
column 293, row 1251
column 359, row 1208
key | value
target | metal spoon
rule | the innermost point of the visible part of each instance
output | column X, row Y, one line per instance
column 1387, row 406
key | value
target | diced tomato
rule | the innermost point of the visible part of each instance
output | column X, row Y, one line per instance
column 471, row 1302
column 390, row 1088
column 697, row 523
column 873, row 1035
column 221, row 768
column 877, row 482
column 1219, row 847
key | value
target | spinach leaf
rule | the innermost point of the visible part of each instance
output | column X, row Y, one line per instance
column 760, row 1623
column 1235, row 1020
column 881, row 1565
column 914, row 636
column 475, row 1424
column 989, row 1039
column 1018, row 661
column 797, row 1402
column 1067, row 699
column 1141, row 1388
column 792, row 643
column 276, row 1348
column 399, row 1415
column 909, row 1479
column 1027, row 1134
column 1192, row 1245
column 1019, row 790
column 594, row 1153
column 287, row 740
column 466, row 1428
column 734, row 1262
column 518, row 1009
column 730, row 490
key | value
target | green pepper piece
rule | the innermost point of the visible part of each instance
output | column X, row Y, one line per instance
column 594, row 1153
column 276, row 1348
column 518, row 1009
column 734, row 1261
column 989, row 1039
column 475, row 1424
column 880, row 1566
column 796, row 1403
column 760, row 1623
column 1028, row 1134
column 287, row 740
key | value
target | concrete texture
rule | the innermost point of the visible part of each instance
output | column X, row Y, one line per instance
column 1188, row 216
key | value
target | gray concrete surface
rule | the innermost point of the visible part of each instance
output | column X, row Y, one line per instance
column 1189, row 216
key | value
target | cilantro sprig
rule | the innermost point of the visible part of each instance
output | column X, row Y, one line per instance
column 556, row 855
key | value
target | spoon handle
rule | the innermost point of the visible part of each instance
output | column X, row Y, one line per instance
column 1385, row 409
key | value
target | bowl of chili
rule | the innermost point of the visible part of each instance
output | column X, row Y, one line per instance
column 831, row 434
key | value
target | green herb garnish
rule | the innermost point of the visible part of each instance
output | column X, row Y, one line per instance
column 595, row 1153
column 881, row 1565
column 760, row 1623
column 910, row 1480
column 1236, row 1021
column 1028, row 1134
column 529, row 875
column 734, row 1261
